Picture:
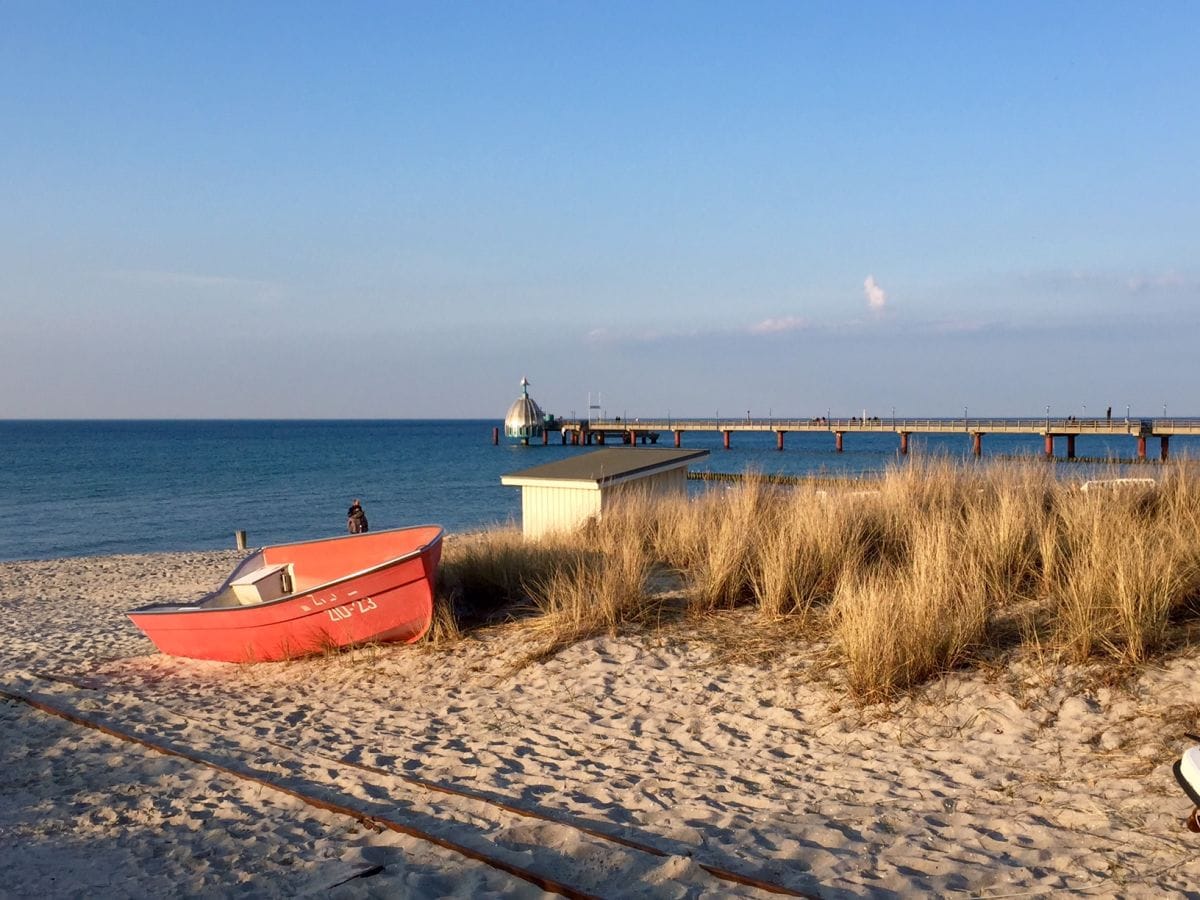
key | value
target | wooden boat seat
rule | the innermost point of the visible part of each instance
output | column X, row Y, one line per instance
column 260, row 585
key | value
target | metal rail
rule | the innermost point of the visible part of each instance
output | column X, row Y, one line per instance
column 240, row 771
column 368, row 820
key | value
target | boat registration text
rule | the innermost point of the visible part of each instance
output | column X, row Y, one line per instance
column 359, row 607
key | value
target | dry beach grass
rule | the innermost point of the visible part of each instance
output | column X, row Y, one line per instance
column 968, row 683
column 938, row 566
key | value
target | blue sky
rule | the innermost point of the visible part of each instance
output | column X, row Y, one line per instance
column 399, row 210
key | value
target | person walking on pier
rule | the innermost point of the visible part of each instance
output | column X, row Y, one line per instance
column 1108, row 415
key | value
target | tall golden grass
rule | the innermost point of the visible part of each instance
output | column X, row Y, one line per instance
column 923, row 570
column 1124, row 563
column 486, row 577
column 596, row 591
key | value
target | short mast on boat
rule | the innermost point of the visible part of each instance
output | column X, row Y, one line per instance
column 525, row 418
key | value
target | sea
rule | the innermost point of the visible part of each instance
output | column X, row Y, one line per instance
column 87, row 488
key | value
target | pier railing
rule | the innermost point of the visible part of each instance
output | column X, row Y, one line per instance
column 1034, row 425
column 638, row 429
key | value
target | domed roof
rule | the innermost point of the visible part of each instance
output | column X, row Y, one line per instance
column 525, row 418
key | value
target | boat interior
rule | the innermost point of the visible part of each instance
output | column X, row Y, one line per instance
column 276, row 572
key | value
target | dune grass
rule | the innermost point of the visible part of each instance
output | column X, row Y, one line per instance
column 935, row 565
column 1124, row 564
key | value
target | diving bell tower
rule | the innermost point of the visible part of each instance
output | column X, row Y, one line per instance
column 525, row 419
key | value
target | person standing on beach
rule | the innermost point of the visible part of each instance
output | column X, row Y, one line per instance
column 356, row 518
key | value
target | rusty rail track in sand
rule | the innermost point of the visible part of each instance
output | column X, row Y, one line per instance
column 380, row 822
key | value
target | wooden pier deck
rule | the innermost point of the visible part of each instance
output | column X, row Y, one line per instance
column 651, row 430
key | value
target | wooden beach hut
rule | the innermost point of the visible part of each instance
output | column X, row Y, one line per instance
column 564, row 494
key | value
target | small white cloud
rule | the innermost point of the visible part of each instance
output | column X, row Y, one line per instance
column 1099, row 280
column 1164, row 281
column 778, row 325
column 187, row 279
column 267, row 292
column 876, row 296
column 603, row 335
column 959, row 326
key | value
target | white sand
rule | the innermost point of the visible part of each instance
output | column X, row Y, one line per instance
column 985, row 786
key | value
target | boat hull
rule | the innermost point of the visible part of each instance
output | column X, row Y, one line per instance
column 347, row 590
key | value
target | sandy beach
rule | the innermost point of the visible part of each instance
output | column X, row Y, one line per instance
column 995, row 783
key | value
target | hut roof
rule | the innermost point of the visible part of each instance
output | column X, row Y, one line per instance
column 604, row 467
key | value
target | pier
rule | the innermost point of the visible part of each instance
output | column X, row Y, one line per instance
column 603, row 431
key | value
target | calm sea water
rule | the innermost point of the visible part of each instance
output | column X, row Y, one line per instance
column 101, row 487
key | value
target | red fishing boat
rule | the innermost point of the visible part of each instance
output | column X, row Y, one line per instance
column 298, row 599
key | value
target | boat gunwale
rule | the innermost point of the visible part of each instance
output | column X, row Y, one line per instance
column 196, row 606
